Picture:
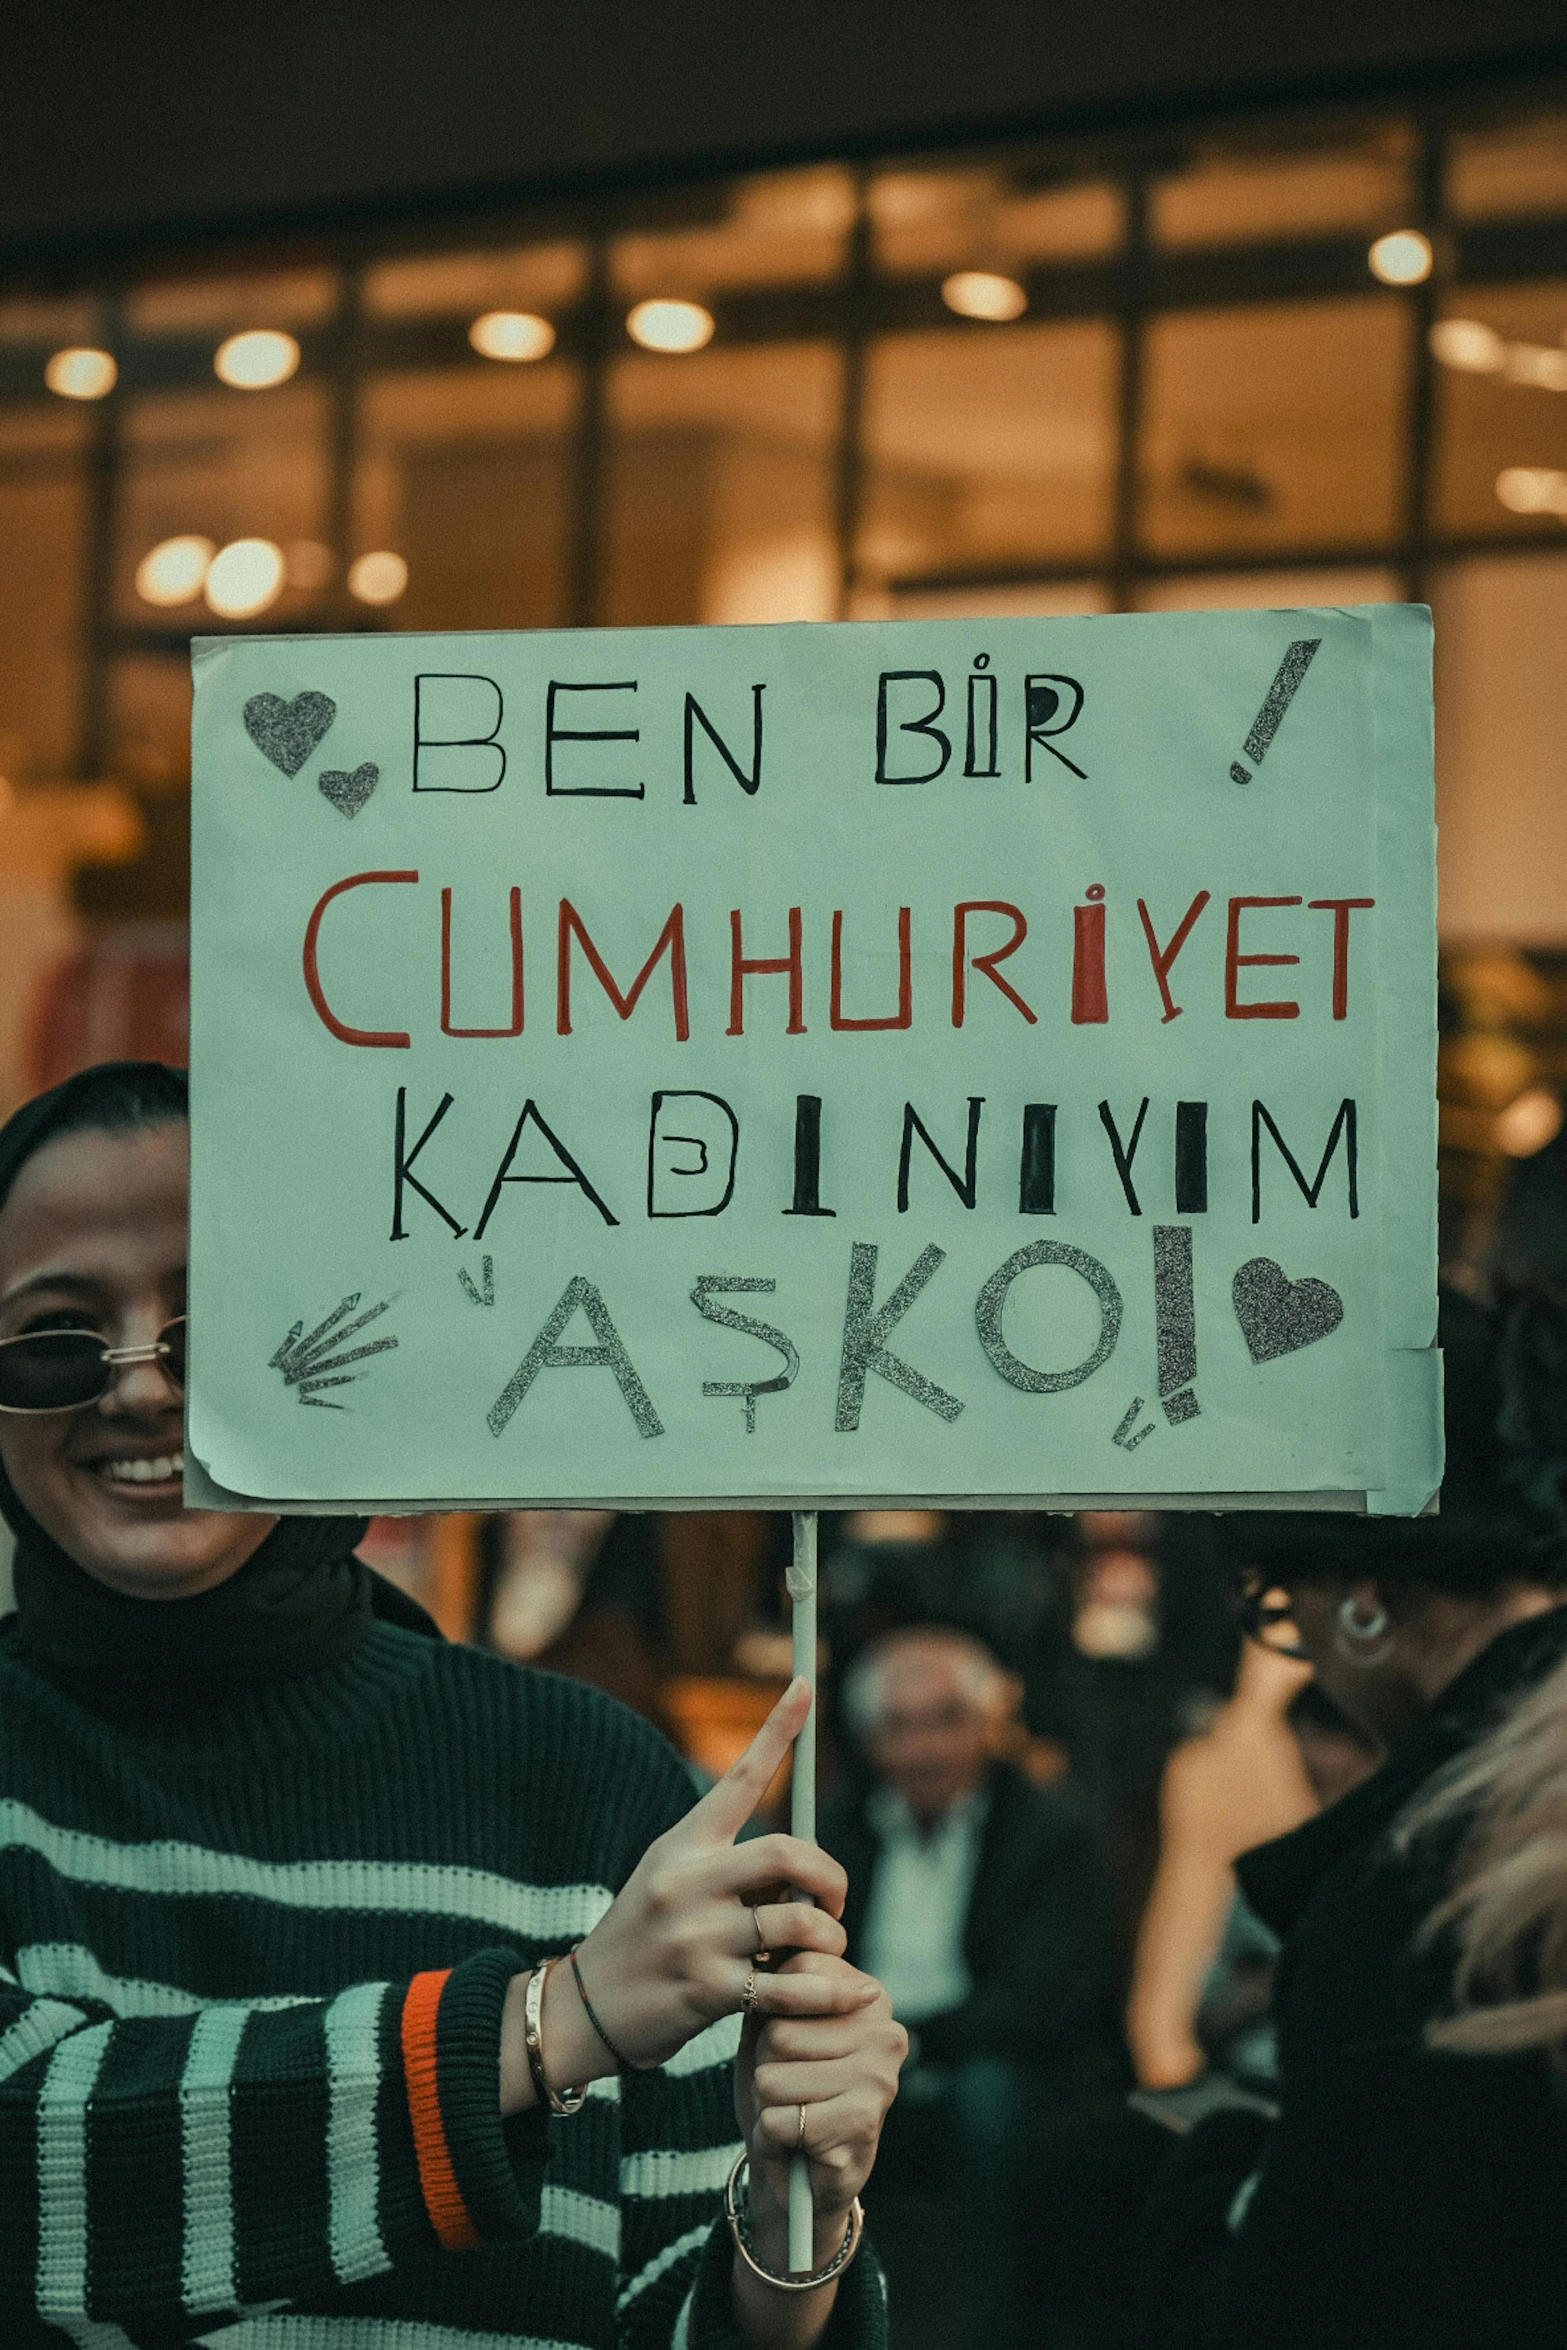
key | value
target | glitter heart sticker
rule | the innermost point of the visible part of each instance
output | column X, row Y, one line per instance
column 348, row 793
column 1278, row 1315
column 287, row 732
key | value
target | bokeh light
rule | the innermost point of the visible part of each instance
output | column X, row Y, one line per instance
column 512, row 334
column 984, row 293
column 666, row 324
column 257, row 359
column 1529, row 1122
column 244, row 577
column 1532, row 489
column 378, row 578
column 1401, row 258
column 81, row 373
column 1538, row 364
column 174, row 571
column 1466, row 344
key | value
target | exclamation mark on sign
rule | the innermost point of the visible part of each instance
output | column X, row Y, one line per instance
column 1175, row 1321
column 1280, row 694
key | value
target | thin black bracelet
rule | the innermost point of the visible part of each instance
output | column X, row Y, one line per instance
column 623, row 2061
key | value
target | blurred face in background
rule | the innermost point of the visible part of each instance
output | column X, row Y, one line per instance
column 938, row 1711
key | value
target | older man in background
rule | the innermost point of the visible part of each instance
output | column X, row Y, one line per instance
column 979, row 1899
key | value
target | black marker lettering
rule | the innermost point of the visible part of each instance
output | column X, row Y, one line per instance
column 554, row 734
column 696, row 716
column 925, row 725
column 450, row 726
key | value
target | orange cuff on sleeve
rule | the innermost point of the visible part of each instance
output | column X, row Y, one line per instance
column 437, row 2177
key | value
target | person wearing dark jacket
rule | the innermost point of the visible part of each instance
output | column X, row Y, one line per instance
column 983, row 1897
column 302, row 1909
column 1408, row 2196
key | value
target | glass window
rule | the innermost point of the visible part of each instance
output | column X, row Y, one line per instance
column 721, row 485
column 544, row 278
column 222, row 305
column 1268, row 591
column 49, row 321
column 149, row 724
column 1226, row 196
column 989, row 445
column 1280, row 426
column 784, row 228
column 930, row 222
column 1048, row 600
column 1501, row 768
column 43, row 513
column 465, row 473
column 1502, row 411
column 220, row 466
column 1518, row 168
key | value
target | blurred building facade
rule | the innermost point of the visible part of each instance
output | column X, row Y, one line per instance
column 314, row 319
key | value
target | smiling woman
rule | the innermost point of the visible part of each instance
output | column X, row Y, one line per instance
column 371, row 2071
column 92, row 1249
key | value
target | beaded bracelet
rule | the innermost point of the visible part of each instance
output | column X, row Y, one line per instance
column 735, row 2214
column 562, row 2101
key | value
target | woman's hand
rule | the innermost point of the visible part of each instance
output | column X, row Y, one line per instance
column 839, row 2066
column 674, row 1952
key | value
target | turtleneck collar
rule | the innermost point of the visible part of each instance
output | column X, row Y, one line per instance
column 300, row 1602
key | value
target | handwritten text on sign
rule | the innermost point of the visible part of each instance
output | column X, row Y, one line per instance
column 968, row 1059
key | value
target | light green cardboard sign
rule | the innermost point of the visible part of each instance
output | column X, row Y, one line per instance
column 966, row 1060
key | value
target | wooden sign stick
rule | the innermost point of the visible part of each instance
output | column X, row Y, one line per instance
column 801, row 1581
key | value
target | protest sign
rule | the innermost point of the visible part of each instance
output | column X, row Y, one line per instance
column 961, row 1060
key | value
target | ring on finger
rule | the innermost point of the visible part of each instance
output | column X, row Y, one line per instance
column 761, row 1954
column 748, row 1995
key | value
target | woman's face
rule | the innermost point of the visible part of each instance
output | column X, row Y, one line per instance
column 92, row 1237
column 1376, row 1685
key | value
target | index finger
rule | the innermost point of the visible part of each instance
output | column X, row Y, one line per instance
column 724, row 1809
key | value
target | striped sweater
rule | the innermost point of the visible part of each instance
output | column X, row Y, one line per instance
column 251, row 1978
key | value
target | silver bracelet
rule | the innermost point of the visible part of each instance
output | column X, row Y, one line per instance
column 735, row 2210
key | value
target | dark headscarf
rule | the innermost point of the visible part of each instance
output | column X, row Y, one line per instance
column 300, row 1602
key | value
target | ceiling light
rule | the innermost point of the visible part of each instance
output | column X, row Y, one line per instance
column 1464, row 343
column 1532, row 489
column 1528, row 1123
column 173, row 571
column 81, row 373
column 983, row 293
column 257, row 359
column 1401, row 258
column 244, row 578
column 512, row 334
column 668, row 325
column 379, row 578
column 1539, row 364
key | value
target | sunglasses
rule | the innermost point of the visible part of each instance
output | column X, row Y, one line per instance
column 1265, row 1613
column 60, row 1370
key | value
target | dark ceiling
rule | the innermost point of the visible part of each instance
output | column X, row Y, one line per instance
column 128, row 122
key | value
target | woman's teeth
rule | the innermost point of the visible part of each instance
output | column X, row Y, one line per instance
column 157, row 1471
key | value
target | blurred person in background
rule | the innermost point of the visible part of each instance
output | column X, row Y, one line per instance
column 1143, row 1657
column 983, row 1897
column 1407, row 2194
column 1117, row 1623
column 1240, row 1781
